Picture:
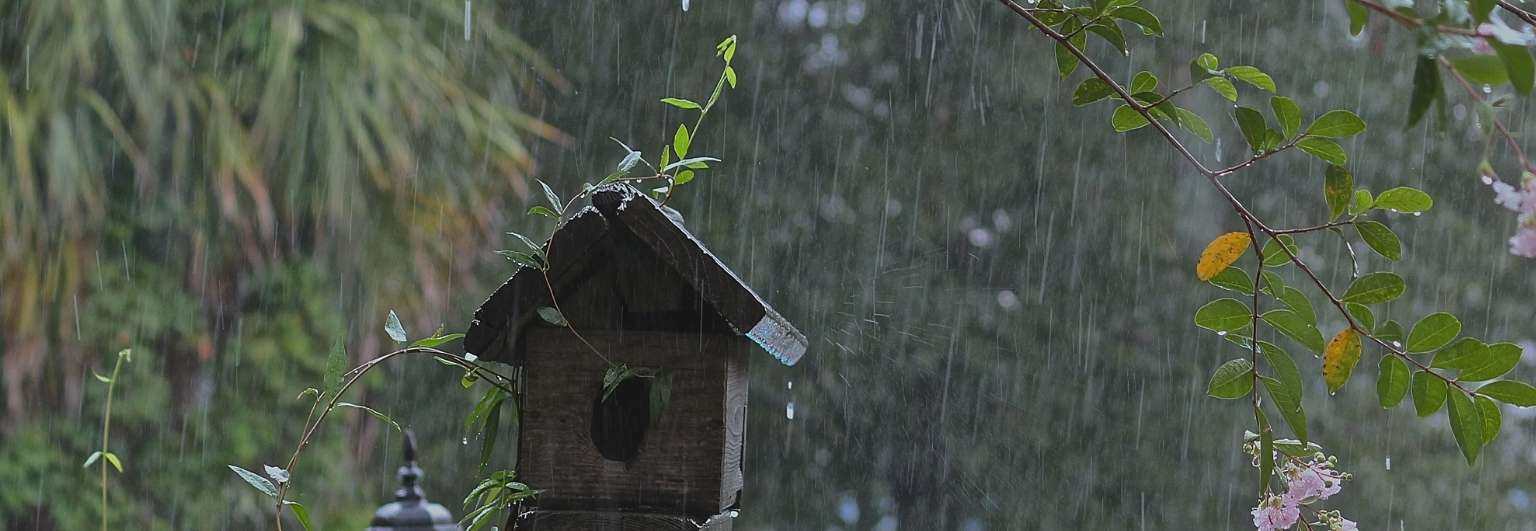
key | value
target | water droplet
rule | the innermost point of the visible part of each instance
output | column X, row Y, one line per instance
column 465, row 442
column 1397, row 344
column 1389, row 463
column 1222, row 333
column 789, row 384
column 1417, row 214
column 789, row 411
column 1487, row 180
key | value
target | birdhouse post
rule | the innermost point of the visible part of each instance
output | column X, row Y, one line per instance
column 643, row 292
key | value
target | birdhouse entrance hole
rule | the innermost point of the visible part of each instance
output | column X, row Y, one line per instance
column 619, row 423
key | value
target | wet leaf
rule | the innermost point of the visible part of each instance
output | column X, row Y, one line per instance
column 681, row 103
column 1375, row 288
column 1224, row 315
column 1223, row 87
column 1380, row 239
column 1234, row 279
column 1404, row 199
column 1127, row 119
column 255, row 480
column 1392, row 382
column 1292, row 325
column 1493, row 419
column 393, row 327
column 1338, row 187
column 1466, row 424
column 1433, row 331
column 1287, row 113
column 335, row 368
column 1091, row 90
column 1251, row 122
column 1336, row 124
column 552, row 316
column 1429, row 393
column 1518, row 63
column 1324, row 149
column 1340, row 358
column 1510, row 392
column 1252, row 76
column 1220, row 253
column 1427, row 88
column 1232, row 380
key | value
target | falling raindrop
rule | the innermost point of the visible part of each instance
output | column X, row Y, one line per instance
column 467, row 11
column 1389, row 463
column 789, row 411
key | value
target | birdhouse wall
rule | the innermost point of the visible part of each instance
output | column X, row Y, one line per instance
column 688, row 462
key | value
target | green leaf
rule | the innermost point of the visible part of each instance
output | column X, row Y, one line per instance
column 1143, row 82
column 492, row 426
column 376, row 414
column 681, row 103
column 1404, row 199
column 1285, row 388
column 554, row 198
column 1481, row 9
column 255, row 480
column 1207, row 61
column 1428, row 393
column 1392, row 383
column 1482, row 69
column 1232, row 380
column 437, row 340
column 1324, row 149
column 1426, row 88
column 1287, row 113
column 335, row 368
column 1466, row 424
column 1109, row 30
column 1338, row 186
column 1517, row 62
column 1375, row 288
column 1336, row 124
column 1127, row 119
column 660, row 394
column 1275, row 250
column 1297, row 301
column 1492, row 362
column 1510, row 392
column 683, row 177
column 1150, row 25
column 1433, row 331
column 1233, row 278
column 1357, row 16
column 1065, row 61
column 301, row 513
column 1251, row 122
column 1363, row 202
column 521, row 258
column 688, row 162
column 393, row 327
column 552, row 316
column 1193, row 123
column 1460, row 355
column 730, row 75
column 1271, row 283
column 1380, row 239
column 277, row 474
column 1091, row 90
column 1362, row 314
column 1492, row 417
column 539, row 210
column 1224, row 315
column 1295, row 327
column 1390, row 331
column 681, row 141
column 1252, row 76
column 91, row 459
column 1222, row 86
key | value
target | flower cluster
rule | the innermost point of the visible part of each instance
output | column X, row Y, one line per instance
column 1308, row 480
column 1520, row 199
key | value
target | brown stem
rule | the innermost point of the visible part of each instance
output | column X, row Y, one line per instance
column 1413, row 22
column 1523, row 15
column 1313, row 228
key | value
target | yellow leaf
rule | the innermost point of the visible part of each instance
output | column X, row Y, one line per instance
column 1220, row 253
column 1339, row 359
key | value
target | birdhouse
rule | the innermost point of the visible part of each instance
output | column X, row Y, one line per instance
column 636, row 289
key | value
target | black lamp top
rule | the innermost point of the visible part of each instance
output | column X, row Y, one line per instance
column 411, row 511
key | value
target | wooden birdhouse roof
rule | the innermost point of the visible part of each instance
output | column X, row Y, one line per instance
column 577, row 248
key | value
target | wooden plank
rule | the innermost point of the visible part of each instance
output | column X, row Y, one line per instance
column 679, row 466
column 492, row 332
column 735, row 411
column 743, row 309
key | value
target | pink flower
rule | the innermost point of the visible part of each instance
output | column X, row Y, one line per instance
column 1524, row 243
column 1305, row 486
column 1507, row 196
column 1275, row 513
column 1345, row 524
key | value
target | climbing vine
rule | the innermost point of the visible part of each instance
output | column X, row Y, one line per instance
column 1428, row 358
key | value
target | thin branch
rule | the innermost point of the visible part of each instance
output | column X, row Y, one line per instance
column 1251, row 160
column 1518, row 12
column 1414, row 22
column 1313, row 228
column 1509, row 138
column 1213, row 177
